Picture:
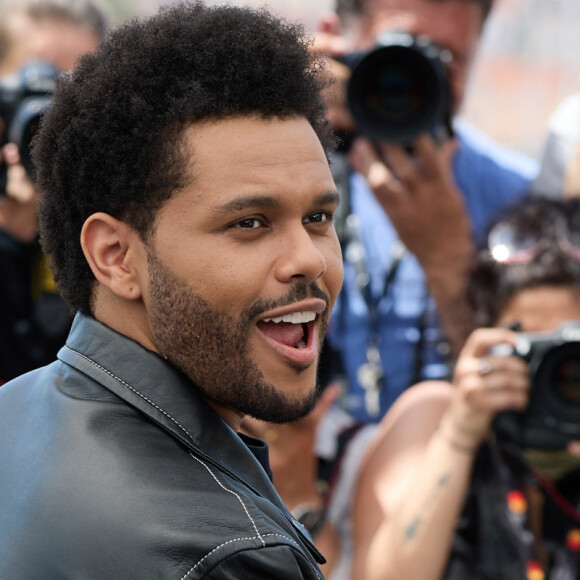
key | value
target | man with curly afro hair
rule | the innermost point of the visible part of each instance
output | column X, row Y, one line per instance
column 187, row 207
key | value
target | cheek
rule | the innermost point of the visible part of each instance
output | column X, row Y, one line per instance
column 457, row 79
column 232, row 285
column 334, row 271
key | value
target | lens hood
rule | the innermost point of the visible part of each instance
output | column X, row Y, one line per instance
column 400, row 89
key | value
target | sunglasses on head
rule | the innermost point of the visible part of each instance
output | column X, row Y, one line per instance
column 519, row 242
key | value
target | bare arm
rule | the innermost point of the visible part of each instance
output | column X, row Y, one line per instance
column 414, row 480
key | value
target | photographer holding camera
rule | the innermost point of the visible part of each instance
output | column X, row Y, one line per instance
column 38, row 38
column 480, row 479
column 420, row 186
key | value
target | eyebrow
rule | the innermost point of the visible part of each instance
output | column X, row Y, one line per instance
column 328, row 198
column 266, row 201
column 246, row 202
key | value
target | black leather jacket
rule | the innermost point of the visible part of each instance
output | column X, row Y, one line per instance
column 112, row 466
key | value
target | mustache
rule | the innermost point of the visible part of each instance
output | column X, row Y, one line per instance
column 296, row 294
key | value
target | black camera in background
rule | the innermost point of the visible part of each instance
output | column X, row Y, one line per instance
column 24, row 97
column 400, row 89
column 552, row 418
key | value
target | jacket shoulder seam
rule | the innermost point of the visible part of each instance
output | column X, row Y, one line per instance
column 133, row 389
column 192, row 569
column 258, row 535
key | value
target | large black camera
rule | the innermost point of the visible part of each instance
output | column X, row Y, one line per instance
column 552, row 417
column 24, row 97
column 400, row 89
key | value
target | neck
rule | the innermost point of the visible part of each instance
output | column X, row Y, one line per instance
column 231, row 417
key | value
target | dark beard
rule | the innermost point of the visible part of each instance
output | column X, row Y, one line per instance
column 213, row 351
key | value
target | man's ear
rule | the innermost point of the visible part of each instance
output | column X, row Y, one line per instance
column 114, row 252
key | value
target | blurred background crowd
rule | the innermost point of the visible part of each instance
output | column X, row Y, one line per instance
column 528, row 61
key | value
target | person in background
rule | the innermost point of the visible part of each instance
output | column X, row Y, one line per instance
column 560, row 159
column 34, row 320
column 187, row 204
column 414, row 216
column 446, row 492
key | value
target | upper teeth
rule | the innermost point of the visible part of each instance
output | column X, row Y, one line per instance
column 294, row 318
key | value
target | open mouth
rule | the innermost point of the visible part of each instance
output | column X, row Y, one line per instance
column 292, row 330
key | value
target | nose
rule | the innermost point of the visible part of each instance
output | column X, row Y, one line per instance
column 300, row 258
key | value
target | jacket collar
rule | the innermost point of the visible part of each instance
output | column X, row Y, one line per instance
column 146, row 381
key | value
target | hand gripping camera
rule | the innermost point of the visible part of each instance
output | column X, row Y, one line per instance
column 400, row 89
column 23, row 99
column 552, row 417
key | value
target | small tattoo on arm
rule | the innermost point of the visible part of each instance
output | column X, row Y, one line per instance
column 412, row 529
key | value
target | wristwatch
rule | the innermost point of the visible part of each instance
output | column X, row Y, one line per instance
column 311, row 516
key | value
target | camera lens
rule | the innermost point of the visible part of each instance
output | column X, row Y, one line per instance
column 566, row 380
column 552, row 417
column 556, row 388
column 399, row 91
column 24, row 127
column 24, row 98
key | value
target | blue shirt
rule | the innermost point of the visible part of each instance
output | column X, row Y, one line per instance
column 412, row 346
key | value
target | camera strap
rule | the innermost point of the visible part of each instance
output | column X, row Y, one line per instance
column 548, row 486
column 370, row 375
column 568, row 508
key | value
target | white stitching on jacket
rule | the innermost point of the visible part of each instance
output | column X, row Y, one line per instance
column 288, row 538
column 131, row 388
column 238, row 540
column 233, row 493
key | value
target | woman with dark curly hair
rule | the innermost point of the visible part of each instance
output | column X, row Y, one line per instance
column 480, row 479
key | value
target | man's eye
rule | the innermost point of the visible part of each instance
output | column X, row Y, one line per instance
column 319, row 217
column 249, row 224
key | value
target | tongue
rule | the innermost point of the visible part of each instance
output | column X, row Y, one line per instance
column 283, row 332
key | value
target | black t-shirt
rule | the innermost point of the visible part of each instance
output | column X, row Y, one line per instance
column 493, row 539
column 34, row 320
column 260, row 451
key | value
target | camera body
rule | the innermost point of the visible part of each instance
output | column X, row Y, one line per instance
column 400, row 89
column 24, row 97
column 552, row 417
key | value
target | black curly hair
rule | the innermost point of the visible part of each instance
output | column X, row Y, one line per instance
column 112, row 139
column 491, row 284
